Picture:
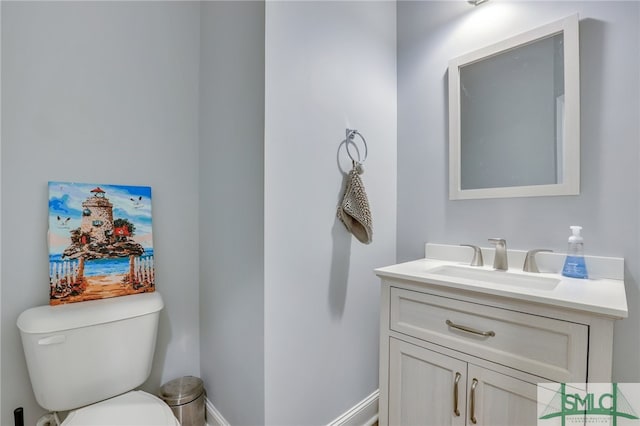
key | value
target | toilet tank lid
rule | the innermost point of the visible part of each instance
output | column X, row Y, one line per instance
column 48, row 319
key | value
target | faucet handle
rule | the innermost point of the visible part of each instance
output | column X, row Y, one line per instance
column 477, row 255
column 530, row 264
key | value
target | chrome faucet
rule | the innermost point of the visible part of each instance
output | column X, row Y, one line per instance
column 500, row 257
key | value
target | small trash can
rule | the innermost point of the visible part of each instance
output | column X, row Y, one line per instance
column 185, row 396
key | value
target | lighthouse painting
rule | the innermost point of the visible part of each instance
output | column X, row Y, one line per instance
column 100, row 241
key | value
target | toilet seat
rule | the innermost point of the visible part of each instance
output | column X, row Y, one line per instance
column 131, row 408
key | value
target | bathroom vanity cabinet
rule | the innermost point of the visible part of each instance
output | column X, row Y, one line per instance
column 454, row 355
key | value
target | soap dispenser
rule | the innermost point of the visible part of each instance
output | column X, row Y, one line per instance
column 574, row 264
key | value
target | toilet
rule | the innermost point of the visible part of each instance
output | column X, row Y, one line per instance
column 88, row 357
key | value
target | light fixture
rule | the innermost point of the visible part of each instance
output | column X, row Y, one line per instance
column 476, row 2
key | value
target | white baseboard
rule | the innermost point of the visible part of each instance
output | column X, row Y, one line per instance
column 214, row 418
column 364, row 413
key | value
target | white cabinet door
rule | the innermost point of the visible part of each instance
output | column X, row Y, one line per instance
column 425, row 388
column 495, row 399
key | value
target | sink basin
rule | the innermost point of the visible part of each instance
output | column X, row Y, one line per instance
column 496, row 277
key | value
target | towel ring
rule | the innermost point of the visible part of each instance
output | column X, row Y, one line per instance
column 351, row 134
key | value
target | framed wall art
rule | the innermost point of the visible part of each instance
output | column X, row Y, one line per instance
column 100, row 241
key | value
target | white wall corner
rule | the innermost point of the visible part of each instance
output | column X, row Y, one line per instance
column 364, row 413
column 214, row 418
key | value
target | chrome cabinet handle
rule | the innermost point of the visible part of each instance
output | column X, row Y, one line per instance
column 470, row 330
column 472, row 398
column 455, row 394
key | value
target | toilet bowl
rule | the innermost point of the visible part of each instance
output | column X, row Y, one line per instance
column 131, row 408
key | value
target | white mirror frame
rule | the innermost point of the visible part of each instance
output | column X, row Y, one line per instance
column 570, row 184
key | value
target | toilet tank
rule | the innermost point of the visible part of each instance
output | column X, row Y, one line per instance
column 81, row 353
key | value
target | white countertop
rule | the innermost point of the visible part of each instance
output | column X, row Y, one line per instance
column 596, row 296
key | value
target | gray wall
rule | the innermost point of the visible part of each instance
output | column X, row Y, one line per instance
column 99, row 92
column 182, row 87
column 329, row 66
column 0, row 213
column 429, row 34
column 289, row 304
column 231, row 195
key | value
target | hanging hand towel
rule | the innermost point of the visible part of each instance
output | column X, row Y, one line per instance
column 354, row 210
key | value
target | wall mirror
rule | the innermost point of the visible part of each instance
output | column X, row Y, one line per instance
column 514, row 116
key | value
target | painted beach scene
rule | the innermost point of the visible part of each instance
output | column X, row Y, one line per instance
column 100, row 241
